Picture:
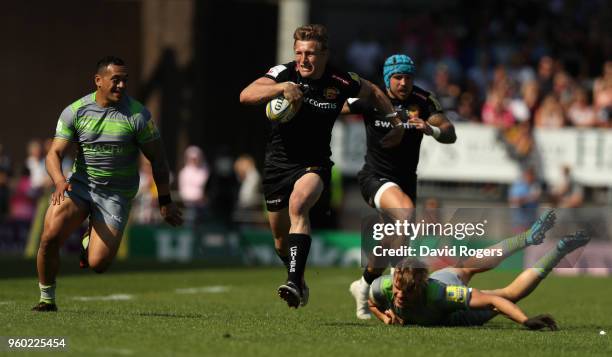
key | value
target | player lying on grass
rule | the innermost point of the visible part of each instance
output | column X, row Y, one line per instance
column 412, row 296
column 533, row 236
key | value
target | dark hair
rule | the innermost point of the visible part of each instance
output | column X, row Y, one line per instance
column 108, row 60
column 312, row 32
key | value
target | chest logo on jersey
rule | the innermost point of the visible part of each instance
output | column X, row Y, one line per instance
column 413, row 111
column 331, row 93
column 104, row 149
column 320, row 105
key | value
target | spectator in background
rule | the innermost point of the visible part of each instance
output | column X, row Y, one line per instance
column 222, row 188
column 192, row 184
column 479, row 76
column 5, row 174
column 602, row 96
column 496, row 110
column 520, row 144
column 545, row 75
column 570, row 193
column 603, row 83
column 446, row 91
column 35, row 162
column 364, row 55
column 466, row 111
column 550, row 114
column 4, row 195
column 41, row 202
column 524, row 195
column 145, row 206
column 580, row 112
column 563, row 88
column 249, row 195
column 519, row 71
column 21, row 202
column 523, row 108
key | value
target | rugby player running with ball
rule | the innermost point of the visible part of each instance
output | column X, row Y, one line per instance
column 297, row 164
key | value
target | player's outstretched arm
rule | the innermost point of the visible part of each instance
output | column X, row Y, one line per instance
column 264, row 89
column 379, row 314
column 480, row 300
column 53, row 163
column 154, row 152
column 388, row 317
column 437, row 126
column 381, row 102
column 485, row 301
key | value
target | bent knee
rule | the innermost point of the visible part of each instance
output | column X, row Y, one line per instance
column 299, row 204
column 99, row 265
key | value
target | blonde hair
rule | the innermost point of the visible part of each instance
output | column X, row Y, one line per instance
column 313, row 32
column 412, row 277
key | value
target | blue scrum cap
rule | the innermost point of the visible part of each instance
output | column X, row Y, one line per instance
column 397, row 64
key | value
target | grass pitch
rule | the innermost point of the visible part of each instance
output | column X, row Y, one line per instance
column 235, row 312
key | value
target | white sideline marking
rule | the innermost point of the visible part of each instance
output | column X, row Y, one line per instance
column 5, row 302
column 114, row 297
column 215, row 289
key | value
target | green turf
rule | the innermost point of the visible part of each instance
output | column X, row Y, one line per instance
column 249, row 319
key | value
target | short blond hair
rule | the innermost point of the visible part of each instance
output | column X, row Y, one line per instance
column 312, row 32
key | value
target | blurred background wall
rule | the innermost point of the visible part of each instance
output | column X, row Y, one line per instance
column 527, row 83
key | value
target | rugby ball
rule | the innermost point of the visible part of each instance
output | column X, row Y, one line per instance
column 280, row 110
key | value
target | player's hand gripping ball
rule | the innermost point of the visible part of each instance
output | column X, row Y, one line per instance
column 281, row 110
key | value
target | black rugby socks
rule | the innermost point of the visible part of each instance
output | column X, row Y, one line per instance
column 369, row 276
column 299, row 246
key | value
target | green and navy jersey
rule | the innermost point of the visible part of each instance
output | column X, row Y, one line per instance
column 108, row 140
column 440, row 301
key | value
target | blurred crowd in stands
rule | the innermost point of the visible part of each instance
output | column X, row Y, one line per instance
column 543, row 64
column 515, row 66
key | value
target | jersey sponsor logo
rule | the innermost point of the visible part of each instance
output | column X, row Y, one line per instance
column 331, row 93
column 108, row 149
column 387, row 125
column 413, row 111
column 321, row 105
column 342, row 80
column 456, row 293
column 355, row 77
column 276, row 70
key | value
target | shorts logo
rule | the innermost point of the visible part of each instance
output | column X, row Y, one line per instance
column 331, row 93
column 273, row 201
